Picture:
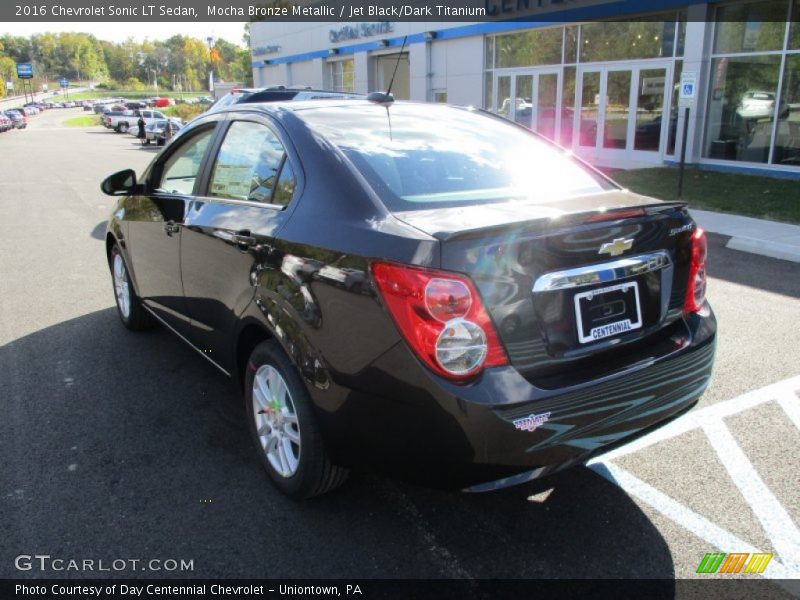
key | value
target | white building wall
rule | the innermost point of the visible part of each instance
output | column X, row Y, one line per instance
column 463, row 70
column 418, row 71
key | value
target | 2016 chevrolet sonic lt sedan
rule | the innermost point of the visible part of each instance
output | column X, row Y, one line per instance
column 426, row 288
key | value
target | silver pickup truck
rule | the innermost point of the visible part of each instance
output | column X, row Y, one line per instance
column 122, row 122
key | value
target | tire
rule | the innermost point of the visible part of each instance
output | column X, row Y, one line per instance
column 123, row 128
column 282, row 411
column 129, row 306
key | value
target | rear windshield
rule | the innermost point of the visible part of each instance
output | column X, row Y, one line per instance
column 420, row 157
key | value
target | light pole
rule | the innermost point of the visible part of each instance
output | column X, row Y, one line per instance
column 155, row 79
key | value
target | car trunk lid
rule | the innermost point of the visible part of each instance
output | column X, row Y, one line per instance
column 582, row 287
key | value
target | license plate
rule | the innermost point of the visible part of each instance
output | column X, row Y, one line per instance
column 607, row 311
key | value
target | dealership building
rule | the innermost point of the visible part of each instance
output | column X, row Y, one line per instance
column 600, row 77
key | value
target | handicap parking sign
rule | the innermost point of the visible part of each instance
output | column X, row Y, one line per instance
column 688, row 85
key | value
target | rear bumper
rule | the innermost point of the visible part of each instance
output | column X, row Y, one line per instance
column 502, row 429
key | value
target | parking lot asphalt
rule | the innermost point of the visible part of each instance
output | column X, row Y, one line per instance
column 125, row 445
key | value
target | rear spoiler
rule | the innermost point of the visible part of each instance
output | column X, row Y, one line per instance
column 653, row 207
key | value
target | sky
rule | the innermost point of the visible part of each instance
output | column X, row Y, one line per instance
column 117, row 32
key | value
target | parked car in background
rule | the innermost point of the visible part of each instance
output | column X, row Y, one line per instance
column 119, row 121
column 756, row 105
column 5, row 122
column 19, row 120
column 154, row 132
column 389, row 283
column 123, row 122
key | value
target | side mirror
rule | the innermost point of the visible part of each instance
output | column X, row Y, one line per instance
column 121, row 183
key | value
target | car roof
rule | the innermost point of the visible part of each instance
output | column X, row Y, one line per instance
column 356, row 104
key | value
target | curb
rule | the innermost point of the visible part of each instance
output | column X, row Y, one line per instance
column 767, row 248
column 755, row 236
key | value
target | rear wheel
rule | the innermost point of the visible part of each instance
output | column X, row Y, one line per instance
column 283, row 427
column 129, row 306
column 123, row 128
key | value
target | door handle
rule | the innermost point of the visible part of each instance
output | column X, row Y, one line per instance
column 171, row 227
column 244, row 239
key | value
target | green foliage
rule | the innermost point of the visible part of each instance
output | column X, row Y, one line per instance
column 179, row 63
column 187, row 112
column 751, row 195
column 83, row 121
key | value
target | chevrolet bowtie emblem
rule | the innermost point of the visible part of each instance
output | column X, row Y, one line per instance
column 617, row 247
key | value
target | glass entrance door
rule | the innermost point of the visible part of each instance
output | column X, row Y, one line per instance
column 621, row 116
column 530, row 98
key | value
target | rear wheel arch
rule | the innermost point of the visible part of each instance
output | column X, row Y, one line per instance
column 110, row 241
column 250, row 336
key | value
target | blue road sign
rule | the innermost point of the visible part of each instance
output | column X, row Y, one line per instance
column 24, row 70
column 64, row 83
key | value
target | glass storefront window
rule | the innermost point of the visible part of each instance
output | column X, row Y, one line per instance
column 672, row 132
column 523, row 103
column 529, row 48
column 504, row 96
column 546, row 104
column 650, row 109
column 590, row 100
column 753, row 27
column 343, row 77
column 627, row 40
column 568, row 104
column 681, row 41
column 787, row 134
column 488, row 53
column 741, row 107
column 794, row 32
column 618, row 98
column 488, row 90
column 571, row 44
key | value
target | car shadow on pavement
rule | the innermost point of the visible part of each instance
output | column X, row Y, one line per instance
column 120, row 444
column 752, row 270
column 99, row 231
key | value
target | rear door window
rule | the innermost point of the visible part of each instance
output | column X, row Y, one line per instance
column 248, row 166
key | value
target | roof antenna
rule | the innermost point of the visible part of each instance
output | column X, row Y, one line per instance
column 397, row 64
column 386, row 97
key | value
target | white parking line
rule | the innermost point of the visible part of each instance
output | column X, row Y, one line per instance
column 720, row 410
column 687, row 518
column 777, row 523
column 775, row 520
column 790, row 403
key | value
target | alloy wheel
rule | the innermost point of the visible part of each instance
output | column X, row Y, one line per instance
column 277, row 425
column 121, row 287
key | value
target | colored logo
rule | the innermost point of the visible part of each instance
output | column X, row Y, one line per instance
column 532, row 422
column 741, row 562
column 617, row 247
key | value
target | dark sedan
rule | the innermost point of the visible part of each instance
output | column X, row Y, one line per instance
column 426, row 288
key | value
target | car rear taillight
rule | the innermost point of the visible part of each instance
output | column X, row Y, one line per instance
column 442, row 318
column 696, row 290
